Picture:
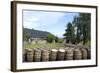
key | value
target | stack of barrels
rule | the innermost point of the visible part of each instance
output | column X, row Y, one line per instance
column 84, row 53
column 53, row 55
column 37, row 55
column 30, row 55
column 77, row 54
column 68, row 53
column 61, row 54
column 45, row 55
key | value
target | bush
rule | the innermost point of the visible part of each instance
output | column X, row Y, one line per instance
column 50, row 38
column 60, row 40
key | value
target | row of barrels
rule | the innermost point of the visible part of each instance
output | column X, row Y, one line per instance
column 39, row 55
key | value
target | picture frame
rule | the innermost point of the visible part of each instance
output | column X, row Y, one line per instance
column 20, row 13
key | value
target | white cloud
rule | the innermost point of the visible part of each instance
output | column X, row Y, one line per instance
column 58, row 34
column 41, row 18
column 27, row 24
column 43, row 24
column 32, row 19
column 30, row 25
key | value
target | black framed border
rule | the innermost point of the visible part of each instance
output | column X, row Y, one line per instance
column 14, row 33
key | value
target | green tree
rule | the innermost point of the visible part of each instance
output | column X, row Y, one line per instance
column 78, row 26
column 69, row 33
column 86, row 21
column 25, row 36
column 82, row 23
column 56, row 39
column 50, row 38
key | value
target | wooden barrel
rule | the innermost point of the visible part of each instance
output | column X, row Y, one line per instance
column 37, row 55
column 29, row 55
column 23, row 52
column 53, row 55
column 24, row 55
column 88, row 53
column 61, row 54
column 77, row 54
column 45, row 55
column 69, row 54
column 84, row 53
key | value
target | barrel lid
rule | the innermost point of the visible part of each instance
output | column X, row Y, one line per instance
column 66, row 48
column 76, row 49
column 54, row 50
column 44, row 50
column 29, row 50
column 61, row 50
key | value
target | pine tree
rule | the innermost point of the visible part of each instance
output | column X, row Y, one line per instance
column 69, row 33
column 82, row 23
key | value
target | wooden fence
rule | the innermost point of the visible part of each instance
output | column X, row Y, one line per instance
column 41, row 55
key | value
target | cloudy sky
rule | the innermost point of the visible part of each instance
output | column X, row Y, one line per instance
column 53, row 22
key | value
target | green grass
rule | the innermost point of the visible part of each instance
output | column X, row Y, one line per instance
column 46, row 46
column 50, row 45
column 86, row 44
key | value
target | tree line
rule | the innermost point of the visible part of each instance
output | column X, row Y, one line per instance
column 79, row 29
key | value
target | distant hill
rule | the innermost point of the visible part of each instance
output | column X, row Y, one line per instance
column 36, row 33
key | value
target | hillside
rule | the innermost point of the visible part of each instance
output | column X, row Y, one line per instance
column 36, row 33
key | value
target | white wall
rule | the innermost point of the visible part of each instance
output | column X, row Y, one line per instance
column 5, row 37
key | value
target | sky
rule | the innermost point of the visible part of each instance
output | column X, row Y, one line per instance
column 50, row 21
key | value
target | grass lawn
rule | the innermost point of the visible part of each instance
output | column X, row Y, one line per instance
column 49, row 45
column 88, row 44
column 46, row 46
